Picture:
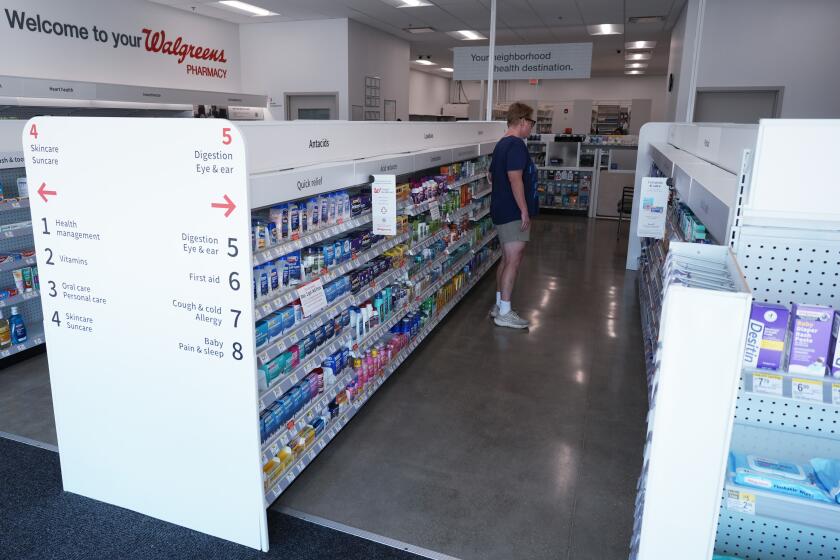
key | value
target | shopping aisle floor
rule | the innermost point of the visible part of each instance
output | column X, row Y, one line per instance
column 496, row 444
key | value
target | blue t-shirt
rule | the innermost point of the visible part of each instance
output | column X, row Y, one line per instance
column 511, row 154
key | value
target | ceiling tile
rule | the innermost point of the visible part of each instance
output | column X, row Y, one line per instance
column 601, row 11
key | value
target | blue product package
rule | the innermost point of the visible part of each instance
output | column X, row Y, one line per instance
column 328, row 251
column 329, row 330
column 345, row 318
column 287, row 314
column 320, row 335
column 275, row 324
column 266, row 420
column 286, row 406
column 276, row 411
column 294, row 264
column 324, row 202
column 347, row 248
column 262, row 332
column 777, row 476
column 336, row 325
column 356, row 244
column 318, row 425
column 338, row 251
column 264, row 284
column 828, row 473
column 308, row 344
column 329, row 292
column 274, row 277
column 329, row 362
column 345, row 357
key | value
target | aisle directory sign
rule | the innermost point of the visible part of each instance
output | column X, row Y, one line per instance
column 653, row 207
column 116, row 202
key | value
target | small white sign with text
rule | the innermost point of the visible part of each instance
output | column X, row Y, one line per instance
column 653, row 207
column 384, row 203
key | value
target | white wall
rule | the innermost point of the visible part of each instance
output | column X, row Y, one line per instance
column 296, row 57
column 679, row 102
column 561, row 93
column 427, row 93
column 34, row 54
column 749, row 43
column 374, row 53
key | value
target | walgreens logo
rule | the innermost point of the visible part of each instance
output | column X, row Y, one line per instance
column 156, row 41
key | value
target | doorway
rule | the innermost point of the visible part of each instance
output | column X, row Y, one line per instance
column 311, row 106
column 743, row 106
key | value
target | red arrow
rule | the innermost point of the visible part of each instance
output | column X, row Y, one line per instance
column 228, row 203
column 42, row 190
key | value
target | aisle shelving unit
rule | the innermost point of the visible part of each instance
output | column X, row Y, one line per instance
column 788, row 248
column 16, row 236
column 219, row 173
column 565, row 188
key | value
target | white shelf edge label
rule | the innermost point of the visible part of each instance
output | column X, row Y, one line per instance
column 384, row 204
column 835, row 394
column 312, row 297
column 807, row 390
column 768, row 384
column 741, row 502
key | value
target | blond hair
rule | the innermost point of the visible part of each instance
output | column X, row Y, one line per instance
column 518, row 111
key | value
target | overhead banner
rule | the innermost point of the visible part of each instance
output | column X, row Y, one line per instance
column 556, row 61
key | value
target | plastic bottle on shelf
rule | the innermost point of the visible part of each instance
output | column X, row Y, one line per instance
column 5, row 333
column 17, row 326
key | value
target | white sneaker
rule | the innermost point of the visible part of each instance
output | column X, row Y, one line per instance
column 512, row 320
column 494, row 311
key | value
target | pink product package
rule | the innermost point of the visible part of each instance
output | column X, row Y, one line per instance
column 810, row 338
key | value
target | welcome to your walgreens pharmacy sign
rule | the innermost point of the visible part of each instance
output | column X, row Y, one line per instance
column 194, row 57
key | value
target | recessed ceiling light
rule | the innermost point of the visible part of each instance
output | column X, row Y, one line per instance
column 412, row 3
column 425, row 62
column 634, row 72
column 418, row 30
column 606, row 29
column 636, row 65
column 646, row 19
column 636, row 45
column 445, row 69
column 467, row 35
column 248, row 8
column 637, row 56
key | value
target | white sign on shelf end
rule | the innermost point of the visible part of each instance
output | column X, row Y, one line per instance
column 312, row 297
column 434, row 210
column 653, row 207
column 384, row 204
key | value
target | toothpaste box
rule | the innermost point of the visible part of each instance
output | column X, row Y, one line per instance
column 766, row 336
column 810, row 338
column 834, row 347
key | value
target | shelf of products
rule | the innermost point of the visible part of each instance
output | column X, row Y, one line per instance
column 565, row 189
column 16, row 230
column 537, row 148
column 13, row 204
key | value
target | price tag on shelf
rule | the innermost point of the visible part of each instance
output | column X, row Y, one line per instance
column 312, row 297
column 807, row 390
column 290, row 478
column 434, row 210
column 768, row 384
column 741, row 502
column 835, row 393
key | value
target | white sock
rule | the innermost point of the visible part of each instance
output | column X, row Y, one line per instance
column 504, row 307
column 498, row 297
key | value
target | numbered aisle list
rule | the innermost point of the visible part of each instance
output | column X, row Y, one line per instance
column 142, row 232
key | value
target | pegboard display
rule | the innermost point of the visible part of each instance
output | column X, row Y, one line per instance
column 753, row 537
column 791, row 266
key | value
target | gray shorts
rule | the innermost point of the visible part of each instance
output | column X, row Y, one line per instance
column 512, row 231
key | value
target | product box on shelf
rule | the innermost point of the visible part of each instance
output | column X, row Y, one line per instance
column 766, row 337
column 834, row 347
column 810, row 338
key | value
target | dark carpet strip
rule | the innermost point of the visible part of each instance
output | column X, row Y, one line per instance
column 38, row 520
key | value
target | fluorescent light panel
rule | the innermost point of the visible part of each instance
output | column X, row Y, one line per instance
column 418, row 30
column 636, row 45
column 637, row 56
column 247, row 8
column 636, row 65
column 606, row 29
column 413, row 3
column 445, row 69
column 634, row 72
column 646, row 19
column 467, row 35
column 425, row 62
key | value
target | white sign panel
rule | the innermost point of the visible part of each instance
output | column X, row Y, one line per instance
column 384, row 204
column 312, row 297
column 653, row 207
column 152, row 370
column 138, row 43
column 523, row 62
column 11, row 160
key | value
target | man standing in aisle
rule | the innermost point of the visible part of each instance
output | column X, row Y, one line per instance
column 513, row 203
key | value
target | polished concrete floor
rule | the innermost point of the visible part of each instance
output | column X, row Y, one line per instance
column 497, row 444
column 487, row 443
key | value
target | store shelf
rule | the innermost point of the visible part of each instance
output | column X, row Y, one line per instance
column 377, row 284
column 576, row 208
column 269, row 305
column 480, row 215
column 458, row 214
column 14, row 265
column 20, row 298
column 483, row 192
column 283, row 383
column 335, row 426
column 417, row 209
column 467, row 180
column 35, row 337
column 13, row 204
column 20, row 230
column 798, row 387
column 430, row 240
column 465, row 240
column 485, row 240
column 754, row 501
column 424, row 270
column 277, row 251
